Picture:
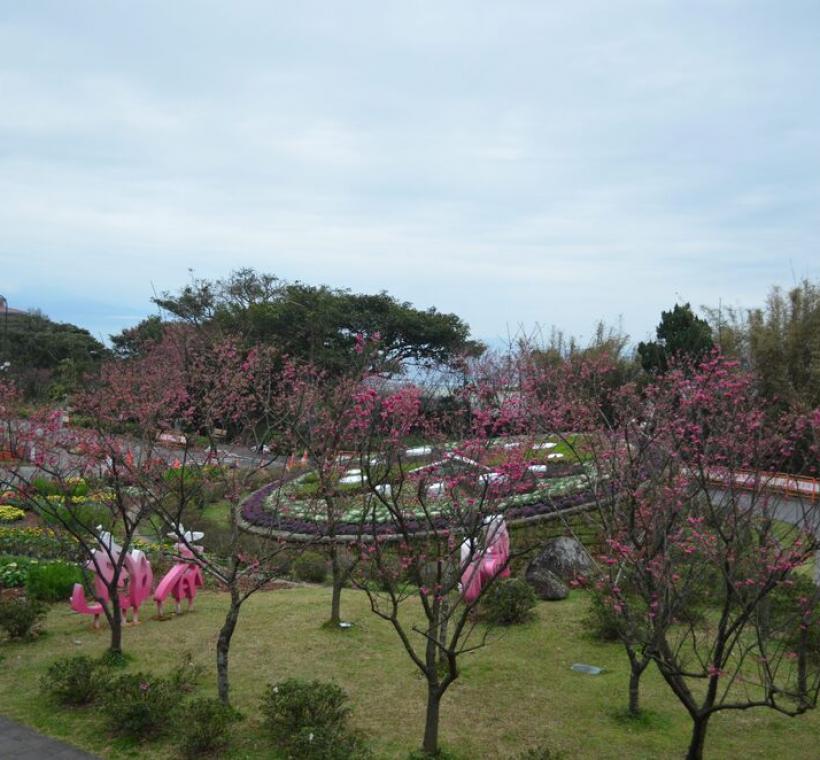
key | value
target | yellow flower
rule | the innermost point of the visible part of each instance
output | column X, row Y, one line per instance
column 10, row 514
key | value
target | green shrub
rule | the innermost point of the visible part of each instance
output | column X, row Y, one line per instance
column 46, row 487
column 206, row 727
column 508, row 602
column 602, row 621
column 309, row 721
column 20, row 617
column 310, row 567
column 186, row 676
column 138, row 705
column 784, row 610
column 52, row 581
column 186, row 481
column 36, row 542
column 77, row 517
column 77, row 680
column 13, row 571
column 76, row 487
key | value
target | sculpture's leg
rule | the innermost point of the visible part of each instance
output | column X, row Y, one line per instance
column 159, row 610
column 97, row 621
column 135, row 616
column 190, row 604
column 179, row 609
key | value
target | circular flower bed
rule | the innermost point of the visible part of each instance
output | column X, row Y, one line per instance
column 564, row 488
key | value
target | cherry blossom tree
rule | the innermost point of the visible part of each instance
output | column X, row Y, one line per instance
column 318, row 416
column 227, row 387
column 698, row 539
column 146, row 394
column 431, row 532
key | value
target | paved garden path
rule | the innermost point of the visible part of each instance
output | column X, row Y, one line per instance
column 21, row 743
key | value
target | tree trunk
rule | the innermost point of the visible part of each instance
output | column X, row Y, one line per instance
column 336, row 603
column 338, row 584
column 223, row 645
column 431, row 720
column 637, row 667
column 802, row 668
column 115, row 646
column 634, row 693
column 698, row 738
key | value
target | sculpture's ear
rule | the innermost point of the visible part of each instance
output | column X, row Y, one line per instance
column 197, row 535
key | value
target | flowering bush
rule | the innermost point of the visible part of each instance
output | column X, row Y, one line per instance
column 10, row 514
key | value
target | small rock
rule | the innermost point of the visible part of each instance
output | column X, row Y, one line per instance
column 546, row 584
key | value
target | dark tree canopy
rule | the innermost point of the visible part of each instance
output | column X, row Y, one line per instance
column 46, row 357
column 320, row 324
column 680, row 333
column 133, row 341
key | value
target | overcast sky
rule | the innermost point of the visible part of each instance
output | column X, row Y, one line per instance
column 513, row 162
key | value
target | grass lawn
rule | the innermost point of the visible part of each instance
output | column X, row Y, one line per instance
column 516, row 693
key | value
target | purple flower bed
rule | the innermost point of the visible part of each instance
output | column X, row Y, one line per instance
column 254, row 512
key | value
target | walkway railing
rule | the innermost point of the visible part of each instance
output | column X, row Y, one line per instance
column 779, row 482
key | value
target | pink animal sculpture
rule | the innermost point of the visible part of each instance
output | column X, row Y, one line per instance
column 136, row 579
column 185, row 577
column 480, row 565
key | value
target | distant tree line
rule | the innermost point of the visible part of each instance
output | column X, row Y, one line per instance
column 318, row 324
column 46, row 359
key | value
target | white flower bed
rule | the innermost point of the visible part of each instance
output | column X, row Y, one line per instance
column 419, row 451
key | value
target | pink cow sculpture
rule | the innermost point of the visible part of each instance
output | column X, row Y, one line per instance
column 479, row 565
column 185, row 577
column 136, row 579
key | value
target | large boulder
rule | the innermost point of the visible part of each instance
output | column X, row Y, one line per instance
column 564, row 557
column 546, row 584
